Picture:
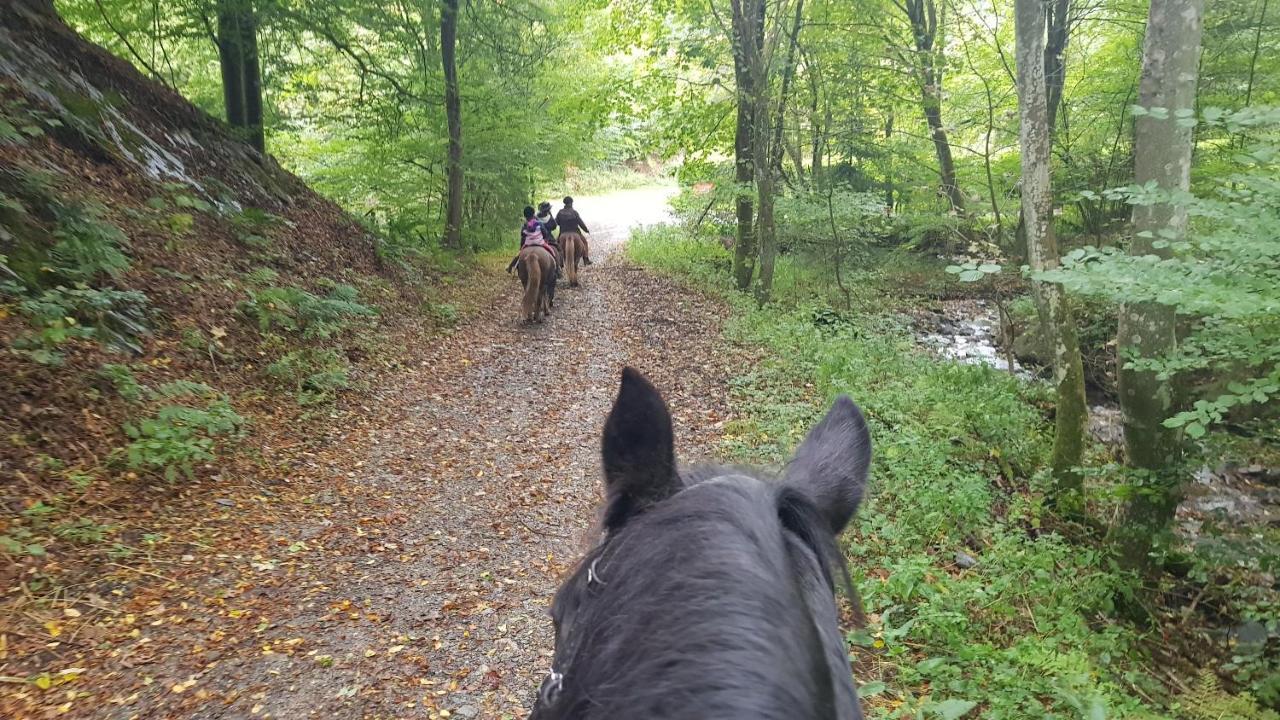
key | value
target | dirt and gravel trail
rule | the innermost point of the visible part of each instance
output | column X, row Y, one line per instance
column 413, row 577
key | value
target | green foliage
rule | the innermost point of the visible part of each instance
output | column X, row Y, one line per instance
column 295, row 310
column 117, row 318
column 20, row 122
column 253, row 227
column 608, row 178
column 177, row 437
column 52, row 518
column 123, row 379
column 57, row 240
column 1007, row 634
column 315, row 376
column 824, row 224
column 444, row 314
column 60, row 253
column 20, row 542
column 261, row 276
column 1208, row 701
column 933, row 232
column 1223, row 278
column 87, row 246
column 973, row 271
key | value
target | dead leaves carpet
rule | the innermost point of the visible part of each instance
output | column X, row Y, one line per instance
column 412, row 578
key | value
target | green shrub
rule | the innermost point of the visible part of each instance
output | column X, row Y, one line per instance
column 444, row 314
column 52, row 272
column 88, row 247
column 253, row 227
column 315, row 376
column 177, row 437
column 116, row 318
column 293, row 309
column 54, row 239
column 123, row 379
column 261, row 276
column 1206, row 700
column 951, row 439
column 1223, row 278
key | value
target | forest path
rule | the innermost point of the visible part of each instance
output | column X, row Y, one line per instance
column 416, row 579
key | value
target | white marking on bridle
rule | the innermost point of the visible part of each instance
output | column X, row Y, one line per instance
column 551, row 686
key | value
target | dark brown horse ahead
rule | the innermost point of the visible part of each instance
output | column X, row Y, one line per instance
column 538, row 275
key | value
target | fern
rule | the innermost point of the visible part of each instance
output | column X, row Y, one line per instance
column 296, row 310
column 1206, row 700
column 88, row 246
column 116, row 318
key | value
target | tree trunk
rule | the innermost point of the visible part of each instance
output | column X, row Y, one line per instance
column 923, row 15
column 1162, row 154
column 816, row 129
column 788, row 73
column 252, row 81
column 765, row 189
column 888, row 176
column 1052, row 307
column 241, row 69
column 744, row 249
column 231, row 61
column 749, row 20
column 1055, row 74
column 453, row 115
column 1055, row 57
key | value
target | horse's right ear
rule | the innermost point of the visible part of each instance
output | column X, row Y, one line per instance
column 638, row 451
column 831, row 465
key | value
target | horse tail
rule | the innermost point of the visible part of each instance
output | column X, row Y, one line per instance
column 569, row 246
column 533, row 287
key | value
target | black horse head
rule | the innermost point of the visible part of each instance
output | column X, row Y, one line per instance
column 712, row 593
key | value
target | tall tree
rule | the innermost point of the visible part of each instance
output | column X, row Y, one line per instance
column 1162, row 156
column 747, row 36
column 241, row 69
column 788, row 75
column 1058, row 26
column 1052, row 306
column 453, row 116
column 766, row 120
column 926, row 64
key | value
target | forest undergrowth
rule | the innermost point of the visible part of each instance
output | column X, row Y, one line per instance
column 980, row 601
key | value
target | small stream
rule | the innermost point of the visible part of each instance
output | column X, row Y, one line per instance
column 966, row 331
column 1226, row 497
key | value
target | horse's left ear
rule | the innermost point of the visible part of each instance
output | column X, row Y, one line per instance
column 831, row 465
column 638, row 451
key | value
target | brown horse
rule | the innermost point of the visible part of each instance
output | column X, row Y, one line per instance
column 573, row 247
column 538, row 275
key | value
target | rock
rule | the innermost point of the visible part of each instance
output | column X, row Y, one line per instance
column 1251, row 634
column 965, row 560
column 224, row 502
column 466, row 711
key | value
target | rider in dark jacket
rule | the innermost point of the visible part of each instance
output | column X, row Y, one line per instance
column 571, row 222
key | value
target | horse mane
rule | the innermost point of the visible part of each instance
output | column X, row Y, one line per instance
column 684, row 610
